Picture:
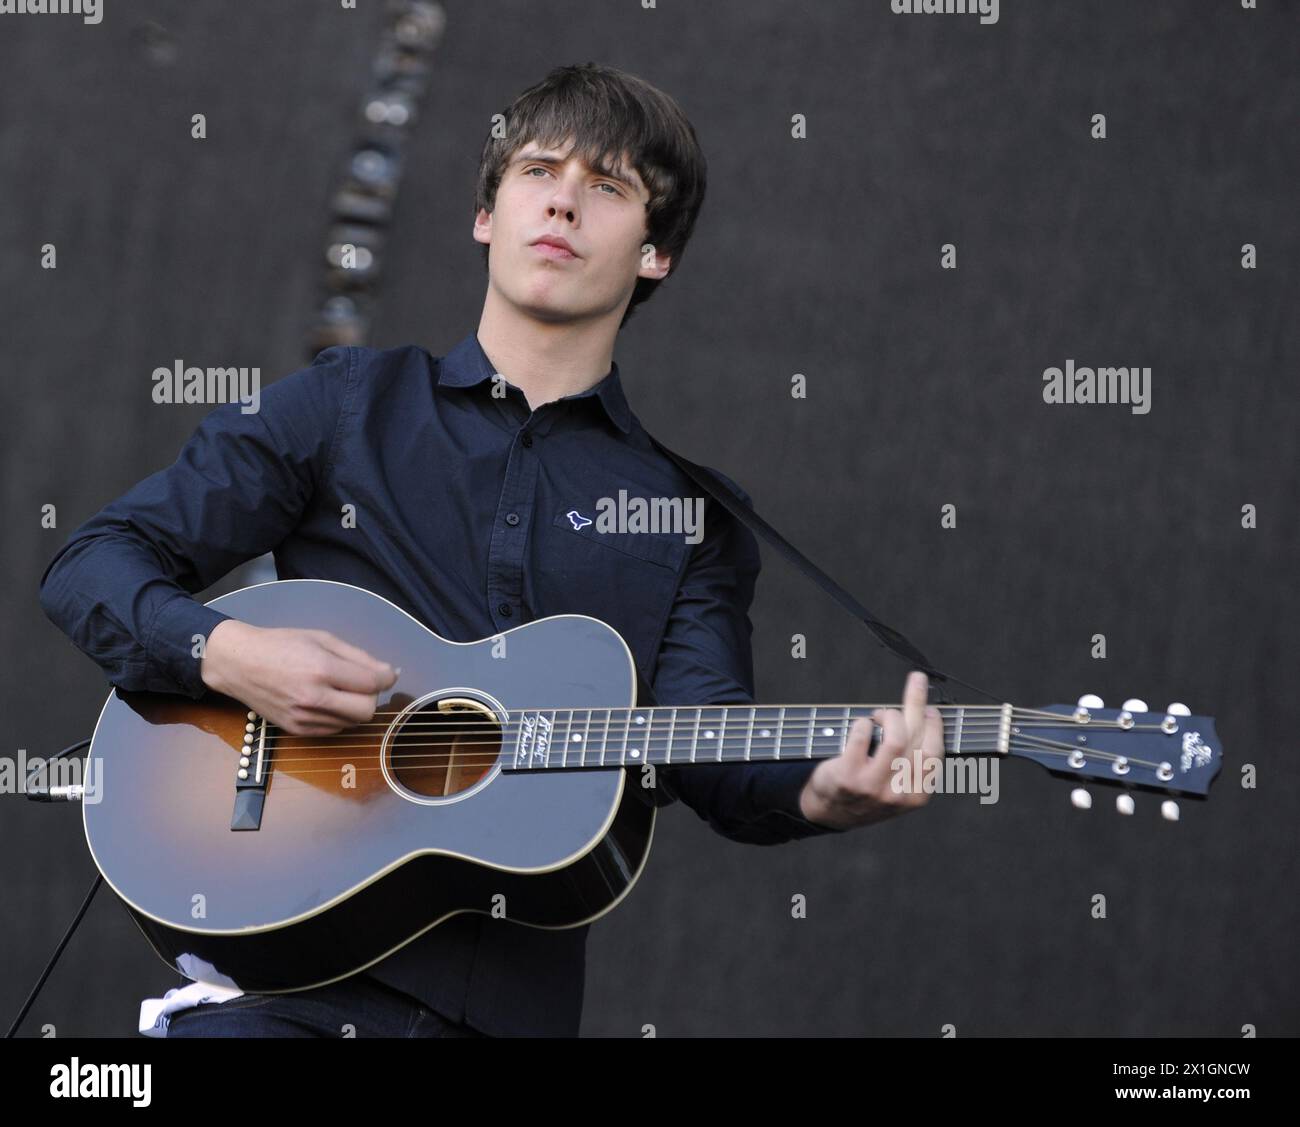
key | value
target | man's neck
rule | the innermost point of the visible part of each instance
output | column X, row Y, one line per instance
column 546, row 361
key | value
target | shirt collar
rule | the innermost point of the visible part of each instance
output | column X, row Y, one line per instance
column 467, row 364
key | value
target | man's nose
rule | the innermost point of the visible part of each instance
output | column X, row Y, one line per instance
column 564, row 200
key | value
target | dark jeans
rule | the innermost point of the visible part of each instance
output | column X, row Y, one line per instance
column 355, row 1006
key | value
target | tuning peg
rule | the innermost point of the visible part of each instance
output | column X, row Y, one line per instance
column 1169, row 811
column 1177, row 709
column 1124, row 803
column 1135, row 705
column 1091, row 700
column 1080, row 799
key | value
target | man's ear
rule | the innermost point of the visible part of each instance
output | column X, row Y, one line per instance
column 653, row 264
column 483, row 226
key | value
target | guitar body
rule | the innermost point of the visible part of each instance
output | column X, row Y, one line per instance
column 342, row 848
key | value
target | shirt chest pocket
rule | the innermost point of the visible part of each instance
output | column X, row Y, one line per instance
column 627, row 579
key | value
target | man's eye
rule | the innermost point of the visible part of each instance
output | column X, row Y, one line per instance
column 540, row 168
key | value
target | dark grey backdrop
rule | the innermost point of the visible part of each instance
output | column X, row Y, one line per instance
column 819, row 257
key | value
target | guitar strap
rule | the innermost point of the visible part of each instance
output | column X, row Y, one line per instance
column 887, row 636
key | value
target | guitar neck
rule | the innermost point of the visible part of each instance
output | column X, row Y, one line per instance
column 623, row 737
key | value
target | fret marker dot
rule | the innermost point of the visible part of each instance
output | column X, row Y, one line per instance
column 635, row 753
column 765, row 732
column 577, row 737
column 828, row 731
column 708, row 735
column 640, row 719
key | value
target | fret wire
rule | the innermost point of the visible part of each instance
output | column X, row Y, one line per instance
column 649, row 732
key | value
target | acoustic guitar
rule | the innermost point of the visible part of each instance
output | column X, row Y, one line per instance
column 514, row 776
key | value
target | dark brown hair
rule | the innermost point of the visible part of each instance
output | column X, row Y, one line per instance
column 608, row 112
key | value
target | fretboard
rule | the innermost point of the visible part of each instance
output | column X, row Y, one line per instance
column 623, row 737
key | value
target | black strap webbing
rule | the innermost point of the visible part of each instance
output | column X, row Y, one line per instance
column 887, row 636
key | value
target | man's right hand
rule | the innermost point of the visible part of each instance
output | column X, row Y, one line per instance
column 307, row 682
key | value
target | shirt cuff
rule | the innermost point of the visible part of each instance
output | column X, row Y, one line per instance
column 171, row 643
column 777, row 788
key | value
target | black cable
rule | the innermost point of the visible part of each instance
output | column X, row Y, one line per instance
column 99, row 879
column 42, row 793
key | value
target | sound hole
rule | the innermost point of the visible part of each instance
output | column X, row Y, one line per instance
column 444, row 747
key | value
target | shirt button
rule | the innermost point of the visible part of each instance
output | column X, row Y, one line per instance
column 512, row 518
column 504, row 610
column 527, row 440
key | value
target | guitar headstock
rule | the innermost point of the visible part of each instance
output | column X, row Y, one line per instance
column 1170, row 752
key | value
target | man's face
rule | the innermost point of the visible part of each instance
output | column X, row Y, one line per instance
column 544, row 191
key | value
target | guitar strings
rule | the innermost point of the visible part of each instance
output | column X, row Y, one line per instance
column 436, row 758
column 664, row 709
column 445, row 722
column 440, row 760
column 655, row 741
column 651, row 736
column 498, row 737
column 974, row 723
column 434, row 761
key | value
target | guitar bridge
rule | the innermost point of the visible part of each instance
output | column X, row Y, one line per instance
column 251, row 778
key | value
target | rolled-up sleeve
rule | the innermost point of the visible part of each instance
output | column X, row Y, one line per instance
column 121, row 588
column 706, row 659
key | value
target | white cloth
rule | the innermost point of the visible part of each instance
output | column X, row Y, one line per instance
column 212, row 986
column 155, row 1013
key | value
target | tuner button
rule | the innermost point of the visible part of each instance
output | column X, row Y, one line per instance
column 1080, row 799
column 1136, row 705
column 1124, row 803
column 1177, row 709
column 1091, row 700
column 1169, row 811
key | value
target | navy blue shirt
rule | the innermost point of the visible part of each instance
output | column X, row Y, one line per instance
column 461, row 500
